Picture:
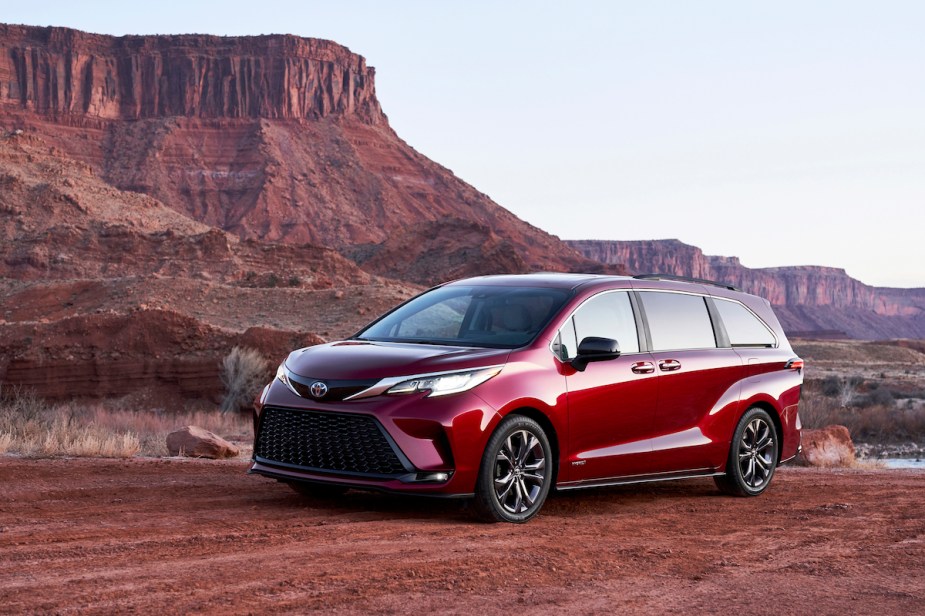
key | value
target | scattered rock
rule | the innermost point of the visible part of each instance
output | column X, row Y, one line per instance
column 829, row 446
column 195, row 442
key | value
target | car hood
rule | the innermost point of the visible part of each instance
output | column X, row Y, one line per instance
column 354, row 359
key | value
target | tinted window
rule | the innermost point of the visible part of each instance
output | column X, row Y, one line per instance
column 440, row 320
column 678, row 321
column 608, row 315
column 503, row 317
column 742, row 326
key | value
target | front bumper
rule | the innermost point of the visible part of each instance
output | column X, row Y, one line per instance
column 438, row 440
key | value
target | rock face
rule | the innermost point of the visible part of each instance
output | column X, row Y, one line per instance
column 61, row 72
column 451, row 248
column 272, row 138
column 808, row 300
column 106, row 293
column 194, row 442
column 830, row 446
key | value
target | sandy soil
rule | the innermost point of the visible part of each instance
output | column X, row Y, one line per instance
column 175, row 536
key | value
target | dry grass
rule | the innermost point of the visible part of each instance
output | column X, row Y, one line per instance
column 32, row 427
column 154, row 426
column 866, row 464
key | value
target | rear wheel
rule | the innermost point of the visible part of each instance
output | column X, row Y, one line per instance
column 316, row 490
column 752, row 456
column 516, row 472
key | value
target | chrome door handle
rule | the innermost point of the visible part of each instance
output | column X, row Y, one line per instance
column 643, row 367
column 669, row 365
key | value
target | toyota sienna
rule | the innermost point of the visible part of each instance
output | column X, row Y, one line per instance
column 501, row 388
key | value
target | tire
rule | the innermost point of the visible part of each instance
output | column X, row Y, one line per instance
column 317, row 490
column 752, row 455
column 516, row 472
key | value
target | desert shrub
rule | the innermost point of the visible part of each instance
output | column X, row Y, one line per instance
column 878, row 397
column 294, row 281
column 831, row 385
column 882, row 422
column 244, row 372
column 272, row 281
column 915, row 393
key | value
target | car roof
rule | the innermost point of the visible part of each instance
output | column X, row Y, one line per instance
column 540, row 279
column 569, row 281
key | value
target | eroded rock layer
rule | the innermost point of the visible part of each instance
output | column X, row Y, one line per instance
column 273, row 138
column 811, row 301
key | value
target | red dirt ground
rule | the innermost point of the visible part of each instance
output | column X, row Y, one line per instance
column 172, row 536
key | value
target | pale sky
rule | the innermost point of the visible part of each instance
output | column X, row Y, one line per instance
column 785, row 133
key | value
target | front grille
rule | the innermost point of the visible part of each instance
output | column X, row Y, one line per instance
column 334, row 442
column 337, row 390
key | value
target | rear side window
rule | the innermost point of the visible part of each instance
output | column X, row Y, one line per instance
column 608, row 315
column 742, row 326
column 678, row 321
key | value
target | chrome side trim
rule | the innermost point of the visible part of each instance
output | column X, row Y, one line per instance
column 600, row 483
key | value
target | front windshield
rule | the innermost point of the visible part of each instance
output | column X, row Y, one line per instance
column 479, row 316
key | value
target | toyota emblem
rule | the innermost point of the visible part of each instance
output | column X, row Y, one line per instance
column 318, row 389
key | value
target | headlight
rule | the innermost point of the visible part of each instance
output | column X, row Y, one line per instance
column 445, row 384
column 281, row 375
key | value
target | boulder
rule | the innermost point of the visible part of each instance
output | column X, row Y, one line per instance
column 195, row 442
column 829, row 446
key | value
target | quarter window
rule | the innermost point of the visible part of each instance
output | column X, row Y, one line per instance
column 565, row 345
column 678, row 321
column 742, row 326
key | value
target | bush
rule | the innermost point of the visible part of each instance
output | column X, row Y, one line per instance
column 244, row 372
column 878, row 397
column 874, row 417
column 831, row 386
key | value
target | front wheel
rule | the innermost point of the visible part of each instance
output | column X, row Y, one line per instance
column 752, row 456
column 516, row 472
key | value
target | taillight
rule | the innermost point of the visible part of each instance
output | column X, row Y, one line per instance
column 794, row 364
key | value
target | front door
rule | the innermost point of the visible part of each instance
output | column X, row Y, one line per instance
column 611, row 403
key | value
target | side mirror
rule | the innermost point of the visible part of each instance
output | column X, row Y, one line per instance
column 593, row 348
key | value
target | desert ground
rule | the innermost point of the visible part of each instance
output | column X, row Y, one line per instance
column 178, row 536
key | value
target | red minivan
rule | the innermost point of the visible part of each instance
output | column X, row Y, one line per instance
column 500, row 388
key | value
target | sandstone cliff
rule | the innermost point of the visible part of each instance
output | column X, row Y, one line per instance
column 808, row 300
column 273, row 138
column 63, row 72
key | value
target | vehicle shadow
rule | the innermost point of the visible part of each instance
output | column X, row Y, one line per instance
column 359, row 505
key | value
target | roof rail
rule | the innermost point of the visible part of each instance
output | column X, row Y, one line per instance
column 686, row 279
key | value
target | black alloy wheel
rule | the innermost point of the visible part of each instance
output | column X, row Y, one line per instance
column 752, row 456
column 516, row 472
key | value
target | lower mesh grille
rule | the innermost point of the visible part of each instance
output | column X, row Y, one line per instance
column 326, row 441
